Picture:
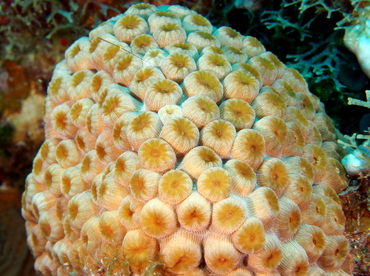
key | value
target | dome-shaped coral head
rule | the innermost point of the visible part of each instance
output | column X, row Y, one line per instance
column 166, row 154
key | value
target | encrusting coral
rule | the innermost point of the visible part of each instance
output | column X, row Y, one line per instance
column 174, row 147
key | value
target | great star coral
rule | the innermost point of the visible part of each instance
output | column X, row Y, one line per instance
column 161, row 157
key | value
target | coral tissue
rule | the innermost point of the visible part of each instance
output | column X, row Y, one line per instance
column 172, row 147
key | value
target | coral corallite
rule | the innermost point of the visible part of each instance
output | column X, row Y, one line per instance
column 176, row 148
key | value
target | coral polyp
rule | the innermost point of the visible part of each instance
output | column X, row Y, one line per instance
column 176, row 148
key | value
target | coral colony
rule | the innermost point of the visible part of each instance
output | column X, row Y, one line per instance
column 174, row 147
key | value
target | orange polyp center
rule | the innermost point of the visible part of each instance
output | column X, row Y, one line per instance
column 100, row 151
column 143, row 41
column 138, row 183
column 175, row 183
column 182, row 46
column 208, row 158
column 62, row 152
column 124, row 63
column 254, row 43
column 143, row 6
column 73, row 211
column 153, row 54
column 194, row 214
column 107, row 231
column 35, row 241
column 67, row 184
column 46, row 229
column 143, row 75
column 238, row 112
column 183, row 259
column 217, row 50
column 235, row 51
column 205, row 35
column 75, row 51
column 61, row 120
column 243, row 83
column 272, row 200
column 243, row 172
column 130, row 213
column 155, row 153
column 94, row 44
column 157, row 220
column 166, row 14
column 199, row 20
column 130, row 22
column 76, row 111
column 80, row 142
column 204, row 83
column 96, row 83
column 78, row 78
column 179, row 64
column 48, row 179
column 86, row 164
column 216, row 61
column 223, row 260
column 85, row 238
column 142, row 124
column 165, row 87
column 121, row 167
column 112, row 52
column 111, row 105
column 55, row 86
column 229, row 214
column 170, row 27
column 253, row 148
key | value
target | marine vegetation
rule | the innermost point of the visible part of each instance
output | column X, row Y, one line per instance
column 308, row 36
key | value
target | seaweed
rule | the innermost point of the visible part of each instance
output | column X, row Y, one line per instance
column 308, row 36
column 42, row 22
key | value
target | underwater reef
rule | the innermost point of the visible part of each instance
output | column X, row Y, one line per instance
column 176, row 147
column 331, row 71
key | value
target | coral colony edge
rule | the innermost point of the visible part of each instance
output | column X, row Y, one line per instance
column 173, row 147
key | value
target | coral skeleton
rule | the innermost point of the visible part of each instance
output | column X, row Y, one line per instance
column 176, row 148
